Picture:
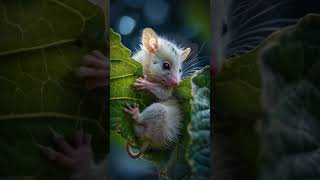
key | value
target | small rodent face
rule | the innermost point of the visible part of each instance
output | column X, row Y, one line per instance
column 166, row 71
column 164, row 58
column 165, row 66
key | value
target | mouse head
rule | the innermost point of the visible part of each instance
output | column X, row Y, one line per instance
column 165, row 60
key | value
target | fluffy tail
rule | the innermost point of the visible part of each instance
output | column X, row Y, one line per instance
column 143, row 149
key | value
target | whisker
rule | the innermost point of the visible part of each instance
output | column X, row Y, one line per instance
column 191, row 70
column 240, row 48
column 249, row 9
column 251, row 45
column 201, row 48
column 190, row 73
column 261, row 13
column 239, row 52
column 242, row 41
column 193, row 64
column 255, row 31
column 246, row 48
column 189, row 67
column 240, row 7
column 244, row 15
column 194, row 70
column 198, row 60
column 194, row 60
column 285, row 20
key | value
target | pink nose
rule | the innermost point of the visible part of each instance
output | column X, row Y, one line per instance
column 174, row 82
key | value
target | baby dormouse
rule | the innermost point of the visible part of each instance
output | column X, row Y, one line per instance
column 158, row 125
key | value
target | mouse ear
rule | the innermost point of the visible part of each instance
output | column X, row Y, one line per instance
column 150, row 40
column 185, row 54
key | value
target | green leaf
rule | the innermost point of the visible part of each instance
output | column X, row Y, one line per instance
column 239, row 82
column 41, row 43
column 237, row 105
column 199, row 128
column 281, row 74
column 123, row 73
column 290, row 133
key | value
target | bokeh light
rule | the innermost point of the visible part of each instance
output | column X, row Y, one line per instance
column 126, row 25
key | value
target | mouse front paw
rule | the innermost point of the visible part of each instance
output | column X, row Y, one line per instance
column 94, row 70
column 133, row 110
column 78, row 156
column 143, row 84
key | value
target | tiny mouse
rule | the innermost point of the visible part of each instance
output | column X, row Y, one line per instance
column 158, row 125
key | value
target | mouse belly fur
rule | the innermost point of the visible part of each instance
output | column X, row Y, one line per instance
column 159, row 123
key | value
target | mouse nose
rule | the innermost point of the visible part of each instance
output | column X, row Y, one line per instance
column 174, row 82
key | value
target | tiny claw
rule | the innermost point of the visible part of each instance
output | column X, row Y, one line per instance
column 55, row 133
column 126, row 110
column 40, row 146
column 128, row 105
column 49, row 152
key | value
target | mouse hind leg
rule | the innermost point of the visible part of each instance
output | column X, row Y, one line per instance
column 149, row 120
column 154, row 112
column 133, row 111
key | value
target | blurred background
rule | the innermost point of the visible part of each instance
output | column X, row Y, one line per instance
column 186, row 22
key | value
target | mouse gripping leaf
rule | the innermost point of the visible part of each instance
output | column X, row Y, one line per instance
column 123, row 73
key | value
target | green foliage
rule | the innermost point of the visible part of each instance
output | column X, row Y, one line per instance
column 237, row 104
column 123, row 73
column 42, row 42
column 273, row 87
column 199, row 128
column 239, row 82
column 291, row 130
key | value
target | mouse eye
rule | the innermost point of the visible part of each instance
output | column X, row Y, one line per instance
column 166, row 66
column 179, row 70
